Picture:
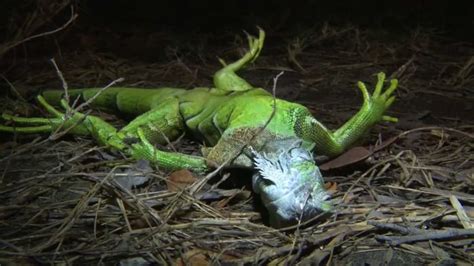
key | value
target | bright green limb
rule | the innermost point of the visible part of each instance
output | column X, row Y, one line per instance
column 371, row 112
column 44, row 125
column 48, row 107
column 312, row 130
column 161, row 124
column 25, row 130
column 107, row 135
column 169, row 160
column 25, row 120
column 164, row 121
column 226, row 78
column 389, row 119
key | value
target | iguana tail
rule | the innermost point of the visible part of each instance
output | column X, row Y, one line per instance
column 129, row 101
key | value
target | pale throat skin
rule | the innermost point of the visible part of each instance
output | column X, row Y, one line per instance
column 239, row 124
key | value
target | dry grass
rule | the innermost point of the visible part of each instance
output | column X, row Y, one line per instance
column 61, row 202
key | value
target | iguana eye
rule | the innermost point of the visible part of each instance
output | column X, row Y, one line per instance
column 266, row 181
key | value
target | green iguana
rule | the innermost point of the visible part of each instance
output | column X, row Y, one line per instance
column 239, row 124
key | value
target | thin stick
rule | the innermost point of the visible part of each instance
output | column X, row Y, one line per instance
column 461, row 213
column 65, row 25
column 417, row 235
column 13, row 89
column 97, row 94
column 63, row 80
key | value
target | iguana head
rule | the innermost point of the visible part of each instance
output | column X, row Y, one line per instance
column 290, row 185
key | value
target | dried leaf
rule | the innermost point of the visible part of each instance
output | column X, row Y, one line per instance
column 136, row 176
column 179, row 180
column 351, row 156
column 331, row 187
column 355, row 155
column 194, row 257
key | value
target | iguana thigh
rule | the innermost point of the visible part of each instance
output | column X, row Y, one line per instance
column 159, row 125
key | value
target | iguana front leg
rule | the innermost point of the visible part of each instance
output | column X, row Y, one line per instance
column 372, row 111
column 133, row 140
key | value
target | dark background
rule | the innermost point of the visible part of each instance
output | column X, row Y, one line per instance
column 382, row 34
column 455, row 18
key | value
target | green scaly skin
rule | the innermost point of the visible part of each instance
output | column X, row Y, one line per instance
column 229, row 119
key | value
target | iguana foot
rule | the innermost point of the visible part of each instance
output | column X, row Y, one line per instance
column 371, row 112
column 255, row 47
column 226, row 79
column 73, row 122
column 58, row 121
column 143, row 149
column 377, row 103
column 70, row 122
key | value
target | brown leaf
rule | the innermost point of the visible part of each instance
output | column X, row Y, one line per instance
column 355, row 155
column 194, row 257
column 351, row 156
column 385, row 144
column 331, row 187
column 179, row 180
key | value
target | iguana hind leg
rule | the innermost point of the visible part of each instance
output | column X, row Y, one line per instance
column 132, row 139
column 226, row 78
column 159, row 125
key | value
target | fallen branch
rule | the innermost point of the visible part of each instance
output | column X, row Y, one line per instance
column 417, row 235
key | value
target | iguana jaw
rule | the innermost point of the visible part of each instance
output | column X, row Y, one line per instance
column 290, row 185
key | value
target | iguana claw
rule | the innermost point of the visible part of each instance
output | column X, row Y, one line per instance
column 69, row 121
column 376, row 104
column 255, row 44
column 143, row 149
column 226, row 79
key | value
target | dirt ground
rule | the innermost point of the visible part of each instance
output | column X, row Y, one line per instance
column 406, row 197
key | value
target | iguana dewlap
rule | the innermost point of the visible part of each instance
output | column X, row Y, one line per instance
column 239, row 125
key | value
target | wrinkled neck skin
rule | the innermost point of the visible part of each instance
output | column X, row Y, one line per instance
column 289, row 182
